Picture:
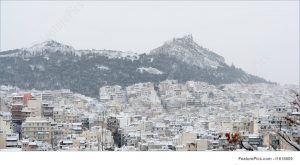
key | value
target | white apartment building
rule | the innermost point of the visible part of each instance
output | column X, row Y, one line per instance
column 37, row 128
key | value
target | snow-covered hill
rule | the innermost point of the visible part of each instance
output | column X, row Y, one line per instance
column 187, row 50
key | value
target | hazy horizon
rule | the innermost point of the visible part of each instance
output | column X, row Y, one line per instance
column 262, row 38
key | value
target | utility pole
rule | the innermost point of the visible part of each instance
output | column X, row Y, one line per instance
column 121, row 137
column 98, row 137
column 140, row 139
column 102, row 130
column 280, row 125
column 52, row 140
column 0, row 104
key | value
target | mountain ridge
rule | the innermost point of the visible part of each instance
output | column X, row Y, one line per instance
column 53, row 65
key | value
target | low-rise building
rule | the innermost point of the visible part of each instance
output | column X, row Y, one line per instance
column 12, row 140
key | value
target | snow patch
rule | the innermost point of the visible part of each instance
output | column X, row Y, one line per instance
column 47, row 58
column 149, row 70
column 111, row 54
column 102, row 67
column 37, row 67
column 50, row 45
column 32, row 67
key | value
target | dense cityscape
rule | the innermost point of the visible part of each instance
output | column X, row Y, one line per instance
column 149, row 82
column 164, row 116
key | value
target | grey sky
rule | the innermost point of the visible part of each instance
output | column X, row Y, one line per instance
column 260, row 37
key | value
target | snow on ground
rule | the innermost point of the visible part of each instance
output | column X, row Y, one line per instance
column 149, row 70
column 110, row 54
column 102, row 67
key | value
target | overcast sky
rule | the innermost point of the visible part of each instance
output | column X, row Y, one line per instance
column 260, row 37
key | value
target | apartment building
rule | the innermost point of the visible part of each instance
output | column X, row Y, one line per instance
column 37, row 128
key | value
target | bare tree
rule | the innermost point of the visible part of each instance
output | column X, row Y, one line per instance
column 296, row 100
